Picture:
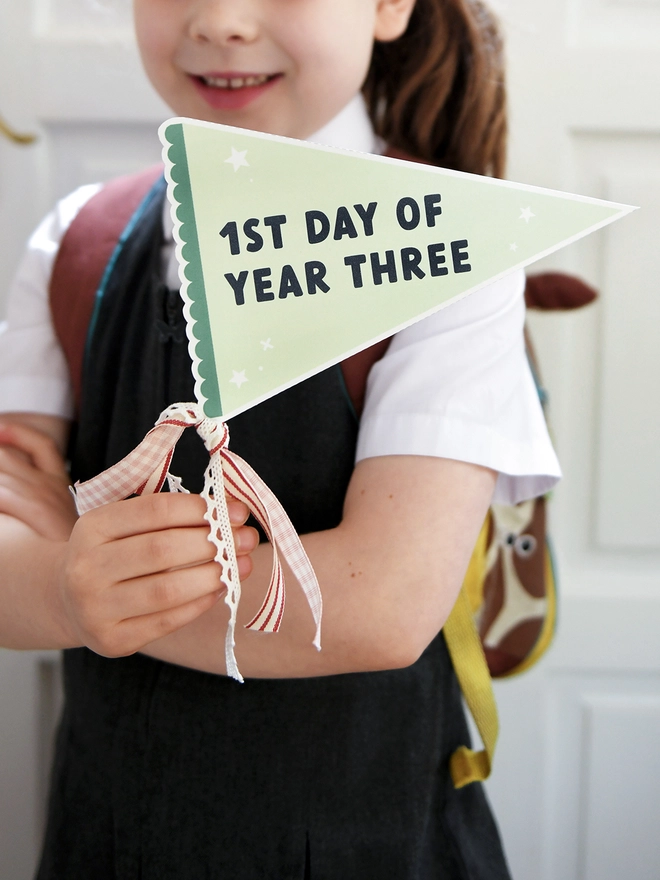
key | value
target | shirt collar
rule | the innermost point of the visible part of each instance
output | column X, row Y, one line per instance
column 350, row 129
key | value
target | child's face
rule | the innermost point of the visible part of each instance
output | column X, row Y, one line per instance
column 280, row 66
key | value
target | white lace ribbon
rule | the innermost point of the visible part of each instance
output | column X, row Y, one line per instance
column 145, row 470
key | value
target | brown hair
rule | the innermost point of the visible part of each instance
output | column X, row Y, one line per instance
column 438, row 93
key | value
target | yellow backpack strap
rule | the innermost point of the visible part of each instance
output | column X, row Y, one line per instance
column 473, row 582
column 464, row 645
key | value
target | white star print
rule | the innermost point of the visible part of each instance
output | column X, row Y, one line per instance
column 266, row 344
column 526, row 214
column 238, row 378
column 237, row 159
column 513, row 247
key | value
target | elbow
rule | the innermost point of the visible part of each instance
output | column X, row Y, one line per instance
column 394, row 634
column 400, row 658
column 390, row 628
column 402, row 631
column 398, row 646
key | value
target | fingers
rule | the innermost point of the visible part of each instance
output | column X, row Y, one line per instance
column 238, row 512
column 17, row 465
column 42, row 501
column 139, row 569
column 160, row 625
column 151, row 513
column 153, row 552
column 158, row 532
column 164, row 591
column 34, row 446
column 244, row 566
column 116, row 618
column 146, row 513
column 246, row 539
column 50, row 516
column 34, row 482
column 131, row 635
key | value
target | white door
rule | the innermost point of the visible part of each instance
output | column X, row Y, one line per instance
column 577, row 770
column 577, row 779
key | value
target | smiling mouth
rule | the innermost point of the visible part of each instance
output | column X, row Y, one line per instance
column 235, row 83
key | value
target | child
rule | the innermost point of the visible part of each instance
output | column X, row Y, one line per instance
column 322, row 765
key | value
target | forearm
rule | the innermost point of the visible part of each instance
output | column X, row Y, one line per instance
column 36, row 517
column 138, row 573
column 366, row 624
column 31, row 615
column 386, row 594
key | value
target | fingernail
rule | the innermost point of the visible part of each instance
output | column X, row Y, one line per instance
column 238, row 513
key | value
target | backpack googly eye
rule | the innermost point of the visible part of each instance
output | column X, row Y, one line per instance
column 524, row 546
column 510, row 539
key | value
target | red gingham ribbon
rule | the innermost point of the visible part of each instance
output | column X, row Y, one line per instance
column 145, row 470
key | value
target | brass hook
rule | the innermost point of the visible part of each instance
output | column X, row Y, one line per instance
column 14, row 136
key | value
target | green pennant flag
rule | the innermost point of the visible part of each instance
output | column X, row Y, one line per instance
column 293, row 256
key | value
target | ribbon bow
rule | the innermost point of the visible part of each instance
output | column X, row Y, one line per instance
column 145, row 470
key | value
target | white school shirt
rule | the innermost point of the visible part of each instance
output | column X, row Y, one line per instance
column 455, row 385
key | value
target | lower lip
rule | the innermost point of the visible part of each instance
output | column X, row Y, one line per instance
column 232, row 99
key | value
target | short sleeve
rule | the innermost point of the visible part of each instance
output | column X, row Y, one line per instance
column 458, row 385
column 34, row 376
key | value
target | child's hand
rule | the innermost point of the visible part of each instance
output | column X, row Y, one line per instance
column 139, row 569
column 34, row 483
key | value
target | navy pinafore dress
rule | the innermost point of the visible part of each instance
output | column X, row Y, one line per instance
column 166, row 773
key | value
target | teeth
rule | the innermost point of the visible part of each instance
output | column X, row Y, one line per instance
column 236, row 82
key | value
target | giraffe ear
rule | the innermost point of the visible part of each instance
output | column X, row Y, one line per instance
column 556, row 290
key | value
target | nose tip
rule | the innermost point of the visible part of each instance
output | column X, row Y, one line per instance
column 222, row 21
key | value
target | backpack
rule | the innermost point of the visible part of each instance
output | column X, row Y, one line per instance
column 505, row 614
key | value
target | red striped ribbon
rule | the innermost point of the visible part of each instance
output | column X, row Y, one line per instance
column 146, row 469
